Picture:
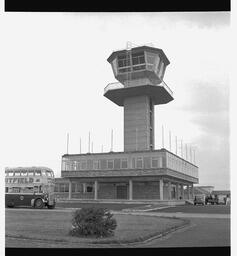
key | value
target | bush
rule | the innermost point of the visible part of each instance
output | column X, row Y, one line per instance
column 93, row 221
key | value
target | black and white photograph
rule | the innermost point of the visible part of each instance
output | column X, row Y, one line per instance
column 115, row 130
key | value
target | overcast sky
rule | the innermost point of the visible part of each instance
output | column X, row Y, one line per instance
column 56, row 69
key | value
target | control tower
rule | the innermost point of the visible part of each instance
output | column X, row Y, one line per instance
column 140, row 72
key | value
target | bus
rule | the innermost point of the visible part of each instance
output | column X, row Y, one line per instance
column 29, row 186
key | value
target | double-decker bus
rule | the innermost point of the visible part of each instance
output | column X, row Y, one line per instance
column 29, row 186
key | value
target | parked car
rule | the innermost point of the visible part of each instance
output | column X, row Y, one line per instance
column 221, row 199
column 199, row 199
column 211, row 200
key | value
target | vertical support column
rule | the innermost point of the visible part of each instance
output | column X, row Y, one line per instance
column 96, row 190
column 192, row 191
column 188, row 192
column 130, row 190
column 177, row 191
column 169, row 190
column 161, row 190
column 84, row 188
column 182, row 191
column 70, row 190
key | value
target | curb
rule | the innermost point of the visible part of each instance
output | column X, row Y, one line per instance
column 147, row 238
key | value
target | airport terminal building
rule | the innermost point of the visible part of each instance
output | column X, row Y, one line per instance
column 140, row 172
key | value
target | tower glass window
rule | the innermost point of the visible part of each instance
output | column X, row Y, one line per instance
column 161, row 69
column 124, row 63
column 131, row 62
column 152, row 60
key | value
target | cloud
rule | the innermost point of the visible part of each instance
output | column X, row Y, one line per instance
column 203, row 19
column 208, row 106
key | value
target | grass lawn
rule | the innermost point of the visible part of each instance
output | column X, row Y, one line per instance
column 53, row 227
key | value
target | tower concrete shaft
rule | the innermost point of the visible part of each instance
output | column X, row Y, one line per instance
column 138, row 123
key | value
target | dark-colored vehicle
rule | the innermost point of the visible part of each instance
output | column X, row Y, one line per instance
column 199, row 199
column 212, row 200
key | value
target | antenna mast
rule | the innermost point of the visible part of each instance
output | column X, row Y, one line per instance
column 67, row 142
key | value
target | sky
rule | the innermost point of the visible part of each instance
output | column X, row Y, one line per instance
column 55, row 71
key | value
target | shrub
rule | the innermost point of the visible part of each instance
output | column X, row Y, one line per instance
column 93, row 221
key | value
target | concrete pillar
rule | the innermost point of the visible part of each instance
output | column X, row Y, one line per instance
column 70, row 190
column 84, row 187
column 177, row 191
column 169, row 190
column 182, row 191
column 192, row 191
column 130, row 190
column 96, row 190
column 188, row 192
column 161, row 190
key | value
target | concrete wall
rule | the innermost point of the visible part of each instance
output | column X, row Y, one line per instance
column 106, row 191
column 137, row 116
column 146, row 190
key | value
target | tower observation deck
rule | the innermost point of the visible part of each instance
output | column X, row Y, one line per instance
column 140, row 71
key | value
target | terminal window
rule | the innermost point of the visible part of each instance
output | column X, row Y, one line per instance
column 124, row 163
column 139, row 162
column 110, row 164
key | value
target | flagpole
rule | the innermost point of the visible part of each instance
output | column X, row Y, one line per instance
column 80, row 145
column 67, row 142
column 89, row 143
column 162, row 136
column 176, row 145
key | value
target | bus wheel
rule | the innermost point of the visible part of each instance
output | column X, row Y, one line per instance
column 39, row 203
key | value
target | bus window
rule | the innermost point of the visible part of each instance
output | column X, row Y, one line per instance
column 17, row 173
column 23, row 173
column 15, row 180
column 31, row 180
column 30, row 173
column 16, row 190
column 36, row 189
column 28, row 190
column 6, row 190
column 10, row 173
column 48, row 173
column 37, row 173
column 43, row 173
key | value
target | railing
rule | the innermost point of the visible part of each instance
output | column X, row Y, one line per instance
column 117, row 85
column 113, row 86
column 166, row 87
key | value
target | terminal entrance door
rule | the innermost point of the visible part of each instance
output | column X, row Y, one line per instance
column 122, row 192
